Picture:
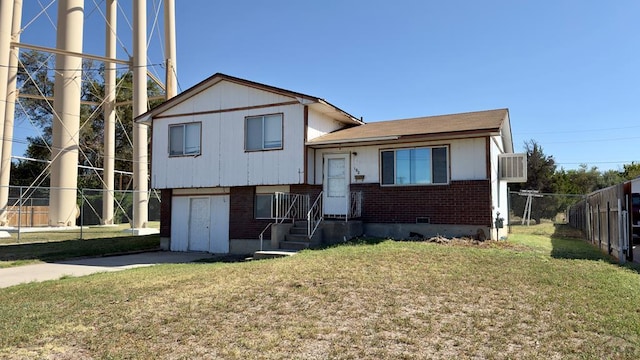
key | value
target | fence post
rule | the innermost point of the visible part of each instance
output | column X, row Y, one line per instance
column 81, row 211
column 599, row 227
column 609, row 248
column 621, row 239
column 19, row 212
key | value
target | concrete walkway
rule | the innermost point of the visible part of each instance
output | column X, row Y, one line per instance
column 53, row 271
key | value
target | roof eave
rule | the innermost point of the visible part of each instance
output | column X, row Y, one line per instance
column 404, row 138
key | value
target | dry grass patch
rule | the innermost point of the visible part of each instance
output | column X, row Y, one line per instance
column 390, row 300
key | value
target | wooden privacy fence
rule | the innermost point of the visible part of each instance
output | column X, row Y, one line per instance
column 28, row 216
column 603, row 217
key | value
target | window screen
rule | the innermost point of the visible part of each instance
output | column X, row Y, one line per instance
column 263, row 132
column 414, row 166
column 184, row 139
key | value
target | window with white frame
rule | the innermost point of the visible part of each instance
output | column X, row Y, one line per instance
column 263, row 132
column 414, row 166
column 184, row 139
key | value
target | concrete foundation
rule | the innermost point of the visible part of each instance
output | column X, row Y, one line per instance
column 249, row 246
column 403, row 231
column 278, row 232
column 165, row 243
column 335, row 232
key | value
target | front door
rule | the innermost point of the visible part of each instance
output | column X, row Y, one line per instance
column 336, row 178
column 199, row 222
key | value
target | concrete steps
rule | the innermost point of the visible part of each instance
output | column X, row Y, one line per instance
column 297, row 238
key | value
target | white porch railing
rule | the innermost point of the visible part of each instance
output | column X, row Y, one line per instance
column 296, row 207
column 290, row 206
column 286, row 207
column 355, row 205
column 314, row 216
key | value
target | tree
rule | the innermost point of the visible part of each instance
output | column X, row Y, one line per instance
column 631, row 171
column 36, row 78
column 540, row 171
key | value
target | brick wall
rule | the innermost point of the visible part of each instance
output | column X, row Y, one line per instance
column 242, row 222
column 165, row 212
column 312, row 190
column 459, row 203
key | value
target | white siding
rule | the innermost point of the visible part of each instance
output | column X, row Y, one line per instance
column 223, row 161
column 180, row 223
column 499, row 189
column 226, row 95
column 320, row 124
column 467, row 159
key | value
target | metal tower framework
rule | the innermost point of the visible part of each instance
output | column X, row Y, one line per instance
column 67, row 100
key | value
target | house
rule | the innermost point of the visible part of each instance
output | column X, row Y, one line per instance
column 237, row 161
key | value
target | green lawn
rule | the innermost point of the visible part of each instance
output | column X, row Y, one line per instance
column 37, row 247
column 539, row 295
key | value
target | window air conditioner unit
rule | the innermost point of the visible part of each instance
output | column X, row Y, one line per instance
column 513, row 167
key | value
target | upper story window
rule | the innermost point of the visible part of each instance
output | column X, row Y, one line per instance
column 415, row 166
column 184, row 139
column 263, row 132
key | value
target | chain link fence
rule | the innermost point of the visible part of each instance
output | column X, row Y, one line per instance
column 27, row 212
column 530, row 208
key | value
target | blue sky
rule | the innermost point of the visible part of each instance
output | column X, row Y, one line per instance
column 569, row 71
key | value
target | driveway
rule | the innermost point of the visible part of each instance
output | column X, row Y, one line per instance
column 53, row 271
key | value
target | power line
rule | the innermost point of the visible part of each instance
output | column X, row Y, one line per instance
column 576, row 131
column 590, row 140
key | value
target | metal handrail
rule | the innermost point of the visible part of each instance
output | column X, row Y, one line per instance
column 298, row 201
column 314, row 216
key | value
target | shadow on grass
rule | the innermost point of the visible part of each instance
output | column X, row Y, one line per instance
column 68, row 249
column 358, row 240
column 229, row 258
column 570, row 243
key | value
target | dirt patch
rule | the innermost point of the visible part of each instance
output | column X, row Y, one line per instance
column 465, row 241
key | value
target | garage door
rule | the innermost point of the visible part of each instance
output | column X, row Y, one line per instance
column 200, row 223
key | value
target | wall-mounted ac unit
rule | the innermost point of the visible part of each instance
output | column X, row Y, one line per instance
column 513, row 167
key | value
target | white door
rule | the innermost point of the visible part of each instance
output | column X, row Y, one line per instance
column 336, row 176
column 199, row 222
column 220, row 224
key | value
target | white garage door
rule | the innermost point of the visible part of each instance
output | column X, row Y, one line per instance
column 200, row 223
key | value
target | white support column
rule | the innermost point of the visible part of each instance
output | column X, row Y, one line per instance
column 170, row 48
column 140, row 151
column 109, row 113
column 7, row 135
column 66, row 119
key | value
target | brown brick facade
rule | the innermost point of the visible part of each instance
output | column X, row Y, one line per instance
column 165, row 212
column 459, row 203
column 242, row 221
column 312, row 190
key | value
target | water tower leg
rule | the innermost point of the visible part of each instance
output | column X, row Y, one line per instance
column 9, row 112
column 140, row 152
column 66, row 119
column 109, row 114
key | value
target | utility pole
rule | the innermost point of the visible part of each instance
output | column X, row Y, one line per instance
column 170, row 49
